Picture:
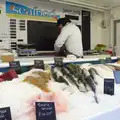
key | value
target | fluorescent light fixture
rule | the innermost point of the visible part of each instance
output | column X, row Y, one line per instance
column 81, row 4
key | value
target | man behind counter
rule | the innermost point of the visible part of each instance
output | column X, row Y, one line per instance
column 69, row 40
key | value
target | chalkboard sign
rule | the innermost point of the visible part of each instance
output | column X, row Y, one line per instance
column 5, row 114
column 109, row 86
column 117, row 76
column 16, row 66
column 45, row 111
column 58, row 61
column 108, row 60
column 39, row 64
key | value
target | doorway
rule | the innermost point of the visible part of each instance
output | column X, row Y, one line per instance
column 116, row 42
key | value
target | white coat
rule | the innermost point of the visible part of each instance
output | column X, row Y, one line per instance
column 70, row 36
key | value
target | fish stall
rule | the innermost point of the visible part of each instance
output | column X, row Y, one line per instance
column 81, row 89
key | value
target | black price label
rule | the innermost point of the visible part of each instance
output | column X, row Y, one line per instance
column 108, row 60
column 16, row 66
column 109, row 86
column 58, row 61
column 39, row 64
column 5, row 113
column 45, row 111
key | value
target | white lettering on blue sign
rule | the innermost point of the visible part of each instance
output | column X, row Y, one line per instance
column 14, row 8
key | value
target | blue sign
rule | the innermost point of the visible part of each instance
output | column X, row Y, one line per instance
column 14, row 8
column 117, row 76
column 109, row 86
column 45, row 111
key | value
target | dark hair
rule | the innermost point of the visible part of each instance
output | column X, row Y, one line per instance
column 63, row 21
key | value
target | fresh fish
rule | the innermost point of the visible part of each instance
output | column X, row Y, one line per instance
column 85, row 72
column 93, row 72
column 70, row 69
column 82, row 79
column 92, row 86
column 68, row 75
column 62, row 80
column 90, row 83
column 58, row 78
column 76, row 71
column 54, row 74
column 96, row 99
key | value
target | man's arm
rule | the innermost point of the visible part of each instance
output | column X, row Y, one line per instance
column 61, row 39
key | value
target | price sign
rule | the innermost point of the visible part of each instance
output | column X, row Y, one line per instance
column 109, row 86
column 39, row 64
column 45, row 111
column 58, row 61
column 108, row 60
column 5, row 113
column 16, row 66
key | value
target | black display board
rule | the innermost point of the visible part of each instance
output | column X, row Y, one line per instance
column 5, row 113
column 45, row 111
column 42, row 34
column 39, row 64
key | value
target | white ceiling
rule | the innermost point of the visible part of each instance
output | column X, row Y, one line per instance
column 104, row 3
column 101, row 4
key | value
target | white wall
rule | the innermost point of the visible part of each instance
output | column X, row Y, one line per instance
column 98, row 34
column 96, row 30
column 115, row 15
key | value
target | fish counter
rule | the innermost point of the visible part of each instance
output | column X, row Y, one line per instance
column 80, row 91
